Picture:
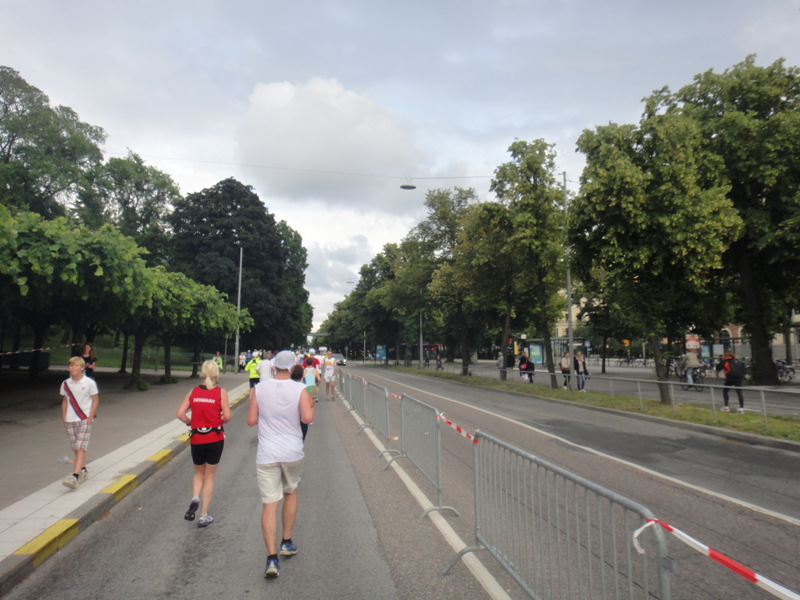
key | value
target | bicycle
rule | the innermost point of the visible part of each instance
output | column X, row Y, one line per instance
column 785, row 372
column 698, row 379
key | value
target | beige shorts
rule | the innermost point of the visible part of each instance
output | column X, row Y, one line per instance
column 277, row 479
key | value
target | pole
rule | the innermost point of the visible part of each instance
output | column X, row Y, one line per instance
column 364, row 355
column 238, row 311
column 420, row 339
column 569, row 294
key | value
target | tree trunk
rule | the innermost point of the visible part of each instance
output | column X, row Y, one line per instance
column 196, row 359
column 136, row 382
column 544, row 325
column 661, row 371
column 504, row 342
column 603, row 351
column 123, row 366
column 36, row 357
column 465, row 355
column 167, row 359
column 763, row 369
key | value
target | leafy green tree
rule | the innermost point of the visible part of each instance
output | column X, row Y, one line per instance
column 209, row 228
column 535, row 246
column 486, row 270
column 45, row 151
column 54, row 272
column 431, row 248
column 293, row 300
column 651, row 223
column 749, row 118
column 136, row 198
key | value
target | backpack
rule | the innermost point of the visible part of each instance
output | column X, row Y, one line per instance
column 737, row 368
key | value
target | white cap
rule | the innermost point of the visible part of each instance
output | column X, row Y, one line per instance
column 284, row 360
column 312, row 351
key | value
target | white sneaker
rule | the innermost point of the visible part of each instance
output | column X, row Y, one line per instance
column 726, row 409
column 83, row 475
column 740, row 411
column 71, row 482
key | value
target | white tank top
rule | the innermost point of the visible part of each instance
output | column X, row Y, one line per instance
column 280, row 438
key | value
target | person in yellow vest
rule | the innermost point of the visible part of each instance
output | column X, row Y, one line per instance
column 252, row 369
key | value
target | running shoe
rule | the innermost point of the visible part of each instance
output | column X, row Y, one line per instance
column 83, row 475
column 726, row 409
column 272, row 570
column 71, row 482
column 205, row 520
column 740, row 411
column 288, row 549
column 190, row 514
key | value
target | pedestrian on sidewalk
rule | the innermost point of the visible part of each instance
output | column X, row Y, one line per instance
column 581, row 374
column 210, row 409
column 526, row 368
column 734, row 374
column 79, row 401
column 278, row 406
column 566, row 365
column 88, row 356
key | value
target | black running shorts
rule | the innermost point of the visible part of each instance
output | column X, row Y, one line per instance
column 207, row 454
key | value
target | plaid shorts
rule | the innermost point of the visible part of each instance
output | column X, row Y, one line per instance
column 79, row 433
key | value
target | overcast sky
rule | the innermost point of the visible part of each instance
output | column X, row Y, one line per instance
column 325, row 108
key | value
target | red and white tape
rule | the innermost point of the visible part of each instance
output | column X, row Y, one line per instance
column 773, row 588
column 37, row 349
column 457, row 428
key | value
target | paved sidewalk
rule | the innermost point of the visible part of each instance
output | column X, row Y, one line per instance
column 134, row 435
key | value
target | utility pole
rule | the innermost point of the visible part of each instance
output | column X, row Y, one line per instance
column 238, row 313
column 569, row 293
column 420, row 339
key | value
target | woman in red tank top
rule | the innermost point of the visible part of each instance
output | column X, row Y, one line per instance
column 209, row 408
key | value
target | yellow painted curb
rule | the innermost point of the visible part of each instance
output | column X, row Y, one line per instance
column 50, row 540
column 121, row 487
column 184, row 438
column 161, row 457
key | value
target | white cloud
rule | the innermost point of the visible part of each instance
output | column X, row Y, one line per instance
column 321, row 142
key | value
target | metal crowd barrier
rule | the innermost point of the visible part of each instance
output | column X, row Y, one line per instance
column 377, row 415
column 420, row 442
column 354, row 391
column 558, row 535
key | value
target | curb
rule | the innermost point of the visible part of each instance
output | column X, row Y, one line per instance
column 19, row 565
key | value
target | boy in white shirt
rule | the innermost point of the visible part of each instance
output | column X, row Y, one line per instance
column 79, row 400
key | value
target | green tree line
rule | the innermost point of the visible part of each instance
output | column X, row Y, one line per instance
column 90, row 246
column 685, row 222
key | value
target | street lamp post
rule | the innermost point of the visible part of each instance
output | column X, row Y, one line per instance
column 420, row 338
column 238, row 312
column 569, row 295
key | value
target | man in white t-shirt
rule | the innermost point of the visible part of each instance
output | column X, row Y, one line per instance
column 277, row 406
